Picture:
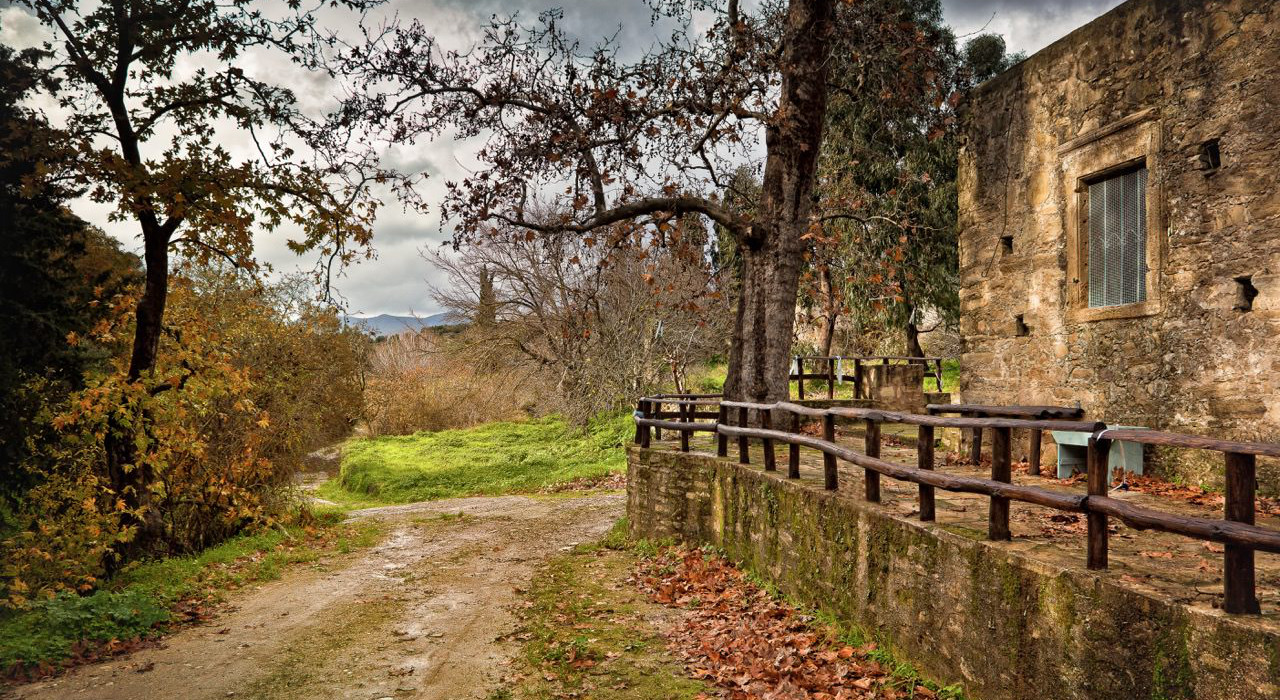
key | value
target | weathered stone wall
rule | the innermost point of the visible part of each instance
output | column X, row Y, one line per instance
column 960, row 608
column 1153, row 79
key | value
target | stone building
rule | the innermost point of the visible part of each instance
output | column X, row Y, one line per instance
column 1120, row 225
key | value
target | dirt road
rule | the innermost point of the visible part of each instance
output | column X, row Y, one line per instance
column 420, row 616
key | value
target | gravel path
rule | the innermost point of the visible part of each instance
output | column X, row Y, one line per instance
column 422, row 615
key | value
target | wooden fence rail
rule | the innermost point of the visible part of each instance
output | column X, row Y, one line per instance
column 780, row 423
column 831, row 370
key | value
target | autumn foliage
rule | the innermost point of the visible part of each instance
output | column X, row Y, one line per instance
column 755, row 645
column 251, row 378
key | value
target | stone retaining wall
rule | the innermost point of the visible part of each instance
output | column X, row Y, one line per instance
column 961, row 609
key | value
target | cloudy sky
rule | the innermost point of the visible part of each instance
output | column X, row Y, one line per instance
column 398, row 280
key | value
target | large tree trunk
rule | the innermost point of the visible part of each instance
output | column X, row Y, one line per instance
column 913, row 340
column 129, row 476
column 759, row 359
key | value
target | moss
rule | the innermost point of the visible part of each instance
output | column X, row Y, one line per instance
column 1172, row 677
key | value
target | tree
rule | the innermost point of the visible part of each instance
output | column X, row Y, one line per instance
column 889, row 254
column 601, row 324
column 148, row 136
column 642, row 142
column 54, row 272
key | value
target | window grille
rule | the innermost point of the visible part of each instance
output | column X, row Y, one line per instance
column 1118, row 239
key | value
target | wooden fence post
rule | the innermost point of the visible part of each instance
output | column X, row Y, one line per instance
column 722, row 440
column 656, row 407
column 998, row 514
column 938, row 365
column 1239, row 595
column 685, row 409
column 829, row 460
column 639, row 414
column 793, row 456
column 800, row 378
column 766, row 422
column 857, row 377
column 872, row 478
column 924, row 460
column 744, row 455
column 646, row 410
column 975, row 447
column 1033, row 452
column 1098, row 464
column 831, row 378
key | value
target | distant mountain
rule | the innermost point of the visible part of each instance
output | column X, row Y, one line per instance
column 386, row 324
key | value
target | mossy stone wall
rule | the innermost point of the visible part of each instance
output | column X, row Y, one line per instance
column 961, row 609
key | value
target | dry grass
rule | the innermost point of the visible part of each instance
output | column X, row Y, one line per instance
column 416, row 383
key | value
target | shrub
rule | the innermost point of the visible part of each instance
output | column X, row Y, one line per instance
column 417, row 382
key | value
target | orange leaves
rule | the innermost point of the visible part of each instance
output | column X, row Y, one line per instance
column 737, row 636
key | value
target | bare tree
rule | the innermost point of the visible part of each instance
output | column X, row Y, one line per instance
column 643, row 141
column 600, row 325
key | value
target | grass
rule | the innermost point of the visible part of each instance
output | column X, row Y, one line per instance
column 585, row 634
column 146, row 598
column 491, row 459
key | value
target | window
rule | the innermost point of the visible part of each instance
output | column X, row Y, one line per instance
column 1118, row 239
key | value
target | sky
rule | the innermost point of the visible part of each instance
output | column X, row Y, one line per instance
column 398, row 281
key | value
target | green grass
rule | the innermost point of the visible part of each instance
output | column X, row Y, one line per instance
column 950, row 377
column 586, row 636
column 141, row 600
column 490, row 459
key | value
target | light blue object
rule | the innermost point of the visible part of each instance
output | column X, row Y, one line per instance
column 1073, row 451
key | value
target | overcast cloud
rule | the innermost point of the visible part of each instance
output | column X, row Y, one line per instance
column 398, row 280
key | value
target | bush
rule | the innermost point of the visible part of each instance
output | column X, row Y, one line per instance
column 418, row 382
column 251, row 379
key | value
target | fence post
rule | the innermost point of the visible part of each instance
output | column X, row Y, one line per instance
column 646, row 409
column 1098, row 464
column 1033, row 452
column 793, row 456
column 938, row 364
column 872, row 478
column 829, row 460
column 722, row 440
column 975, row 447
column 639, row 414
column 1238, row 591
column 766, row 422
column 831, row 378
column 684, row 434
column 656, row 412
column 924, row 460
column 799, row 378
column 857, row 377
column 744, row 455
column 1001, row 470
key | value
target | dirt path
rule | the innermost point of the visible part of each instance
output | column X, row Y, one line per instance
column 420, row 616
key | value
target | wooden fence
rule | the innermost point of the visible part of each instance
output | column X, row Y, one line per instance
column 780, row 423
column 831, row 370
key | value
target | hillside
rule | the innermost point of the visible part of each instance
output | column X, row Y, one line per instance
column 386, row 324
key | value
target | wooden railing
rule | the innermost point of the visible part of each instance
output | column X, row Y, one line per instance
column 831, row 370
column 780, row 423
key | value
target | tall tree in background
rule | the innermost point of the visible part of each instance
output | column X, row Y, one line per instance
column 642, row 142
column 149, row 131
column 889, row 256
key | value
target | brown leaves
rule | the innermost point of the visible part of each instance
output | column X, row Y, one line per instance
column 737, row 636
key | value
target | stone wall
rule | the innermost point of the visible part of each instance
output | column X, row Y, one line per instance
column 1155, row 81
column 961, row 609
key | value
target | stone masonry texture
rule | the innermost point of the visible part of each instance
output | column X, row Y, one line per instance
column 962, row 609
column 1155, row 82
